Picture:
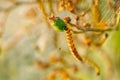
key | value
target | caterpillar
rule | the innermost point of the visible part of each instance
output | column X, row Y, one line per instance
column 59, row 25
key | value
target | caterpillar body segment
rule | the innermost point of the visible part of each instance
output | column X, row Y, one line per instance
column 71, row 44
column 76, row 54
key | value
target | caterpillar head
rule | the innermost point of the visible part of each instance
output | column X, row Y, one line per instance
column 57, row 23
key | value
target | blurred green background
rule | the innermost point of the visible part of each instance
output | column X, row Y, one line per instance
column 30, row 49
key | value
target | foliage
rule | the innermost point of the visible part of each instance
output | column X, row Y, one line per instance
column 30, row 49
